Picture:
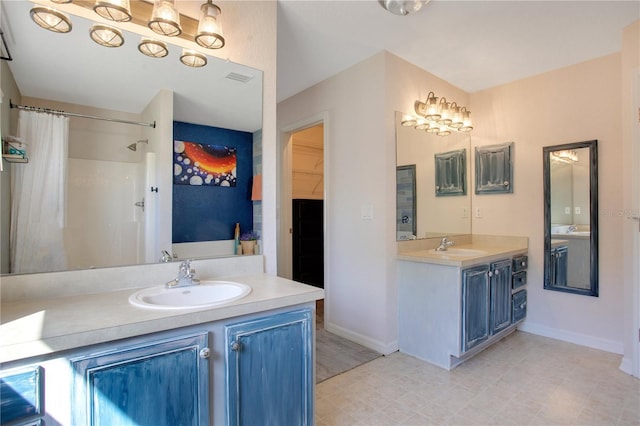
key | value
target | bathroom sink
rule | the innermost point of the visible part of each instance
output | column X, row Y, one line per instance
column 204, row 295
column 454, row 251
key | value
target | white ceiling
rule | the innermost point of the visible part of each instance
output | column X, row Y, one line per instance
column 473, row 45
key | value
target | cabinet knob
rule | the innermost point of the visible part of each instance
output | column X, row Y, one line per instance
column 235, row 346
column 524, row 263
column 497, row 272
column 205, row 353
column 505, row 183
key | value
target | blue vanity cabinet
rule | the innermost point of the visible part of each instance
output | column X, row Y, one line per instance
column 500, row 310
column 475, row 306
column 160, row 382
column 270, row 370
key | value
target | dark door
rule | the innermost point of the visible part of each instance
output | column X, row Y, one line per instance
column 308, row 242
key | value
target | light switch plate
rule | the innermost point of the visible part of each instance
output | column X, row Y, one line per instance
column 366, row 212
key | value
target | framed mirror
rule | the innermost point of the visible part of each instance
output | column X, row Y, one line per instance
column 434, row 215
column 571, row 218
column 121, row 175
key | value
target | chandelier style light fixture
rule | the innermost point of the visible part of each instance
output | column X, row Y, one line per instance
column 160, row 16
column 437, row 115
column 403, row 7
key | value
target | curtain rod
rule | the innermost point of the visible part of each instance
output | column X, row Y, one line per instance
column 73, row 114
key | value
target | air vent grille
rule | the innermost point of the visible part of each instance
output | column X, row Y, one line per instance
column 239, row 77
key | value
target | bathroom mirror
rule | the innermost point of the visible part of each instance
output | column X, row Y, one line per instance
column 222, row 94
column 435, row 214
column 571, row 218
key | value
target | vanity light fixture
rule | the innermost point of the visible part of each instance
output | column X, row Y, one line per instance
column 403, row 7
column 165, row 19
column 566, row 156
column 113, row 10
column 209, row 33
column 61, row 1
column 153, row 48
column 436, row 115
column 192, row 58
column 106, row 36
column 51, row 19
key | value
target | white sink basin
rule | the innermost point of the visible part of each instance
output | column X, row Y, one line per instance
column 204, row 295
column 462, row 252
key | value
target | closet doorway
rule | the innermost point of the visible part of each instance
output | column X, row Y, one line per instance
column 307, row 205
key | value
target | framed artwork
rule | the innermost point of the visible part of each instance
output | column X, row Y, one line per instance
column 451, row 173
column 198, row 164
column 494, row 169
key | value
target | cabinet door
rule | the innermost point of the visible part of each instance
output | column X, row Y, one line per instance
column 559, row 258
column 475, row 306
column 500, row 315
column 270, row 370
column 163, row 382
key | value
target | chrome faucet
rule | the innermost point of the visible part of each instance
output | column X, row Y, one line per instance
column 185, row 276
column 444, row 244
column 166, row 257
column 572, row 228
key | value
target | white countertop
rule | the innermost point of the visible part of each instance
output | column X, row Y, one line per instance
column 493, row 248
column 32, row 327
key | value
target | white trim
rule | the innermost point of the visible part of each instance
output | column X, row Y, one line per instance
column 571, row 337
column 383, row 348
column 632, row 366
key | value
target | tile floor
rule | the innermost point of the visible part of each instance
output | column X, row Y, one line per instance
column 522, row 380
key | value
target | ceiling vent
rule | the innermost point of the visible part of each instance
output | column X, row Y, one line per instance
column 239, row 77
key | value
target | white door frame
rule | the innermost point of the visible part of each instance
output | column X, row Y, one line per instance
column 635, row 214
column 285, row 266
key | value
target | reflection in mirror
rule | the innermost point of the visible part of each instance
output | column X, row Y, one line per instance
column 436, row 214
column 571, row 218
column 118, row 202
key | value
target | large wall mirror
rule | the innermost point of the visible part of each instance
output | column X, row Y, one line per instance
column 70, row 72
column 571, row 218
column 432, row 197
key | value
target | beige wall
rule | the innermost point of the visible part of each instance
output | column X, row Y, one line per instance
column 360, row 103
column 577, row 103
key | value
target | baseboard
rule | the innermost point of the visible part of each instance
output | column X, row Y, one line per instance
column 375, row 345
column 626, row 366
column 571, row 337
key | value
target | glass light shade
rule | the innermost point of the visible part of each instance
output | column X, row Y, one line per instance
column 153, row 48
column 409, row 121
column 192, row 58
column 61, row 1
column 456, row 116
column 433, row 129
column 444, row 132
column 445, row 113
column 51, row 19
column 421, row 124
column 433, row 108
column 106, row 36
column 114, row 10
column 466, row 122
column 165, row 19
column 403, row 7
column 209, row 33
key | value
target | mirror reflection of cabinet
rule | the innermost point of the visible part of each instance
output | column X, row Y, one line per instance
column 571, row 218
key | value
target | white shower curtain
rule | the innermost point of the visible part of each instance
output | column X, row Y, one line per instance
column 38, row 194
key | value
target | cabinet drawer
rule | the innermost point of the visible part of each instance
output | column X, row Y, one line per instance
column 519, row 306
column 519, row 279
column 520, row 263
column 21, row 395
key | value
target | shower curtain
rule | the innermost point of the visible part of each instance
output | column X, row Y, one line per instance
column 38, row 194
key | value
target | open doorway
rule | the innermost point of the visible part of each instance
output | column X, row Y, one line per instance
column 307, row 205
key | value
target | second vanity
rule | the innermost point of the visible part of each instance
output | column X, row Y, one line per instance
column 79, row 353
column 453, row 304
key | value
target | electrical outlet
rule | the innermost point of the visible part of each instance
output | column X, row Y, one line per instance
column 577, row 210
column 567, row 210
column 478, row 212
column 465, row 212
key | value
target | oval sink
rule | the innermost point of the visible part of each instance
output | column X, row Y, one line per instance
column 204, row 295
column 453, row 251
